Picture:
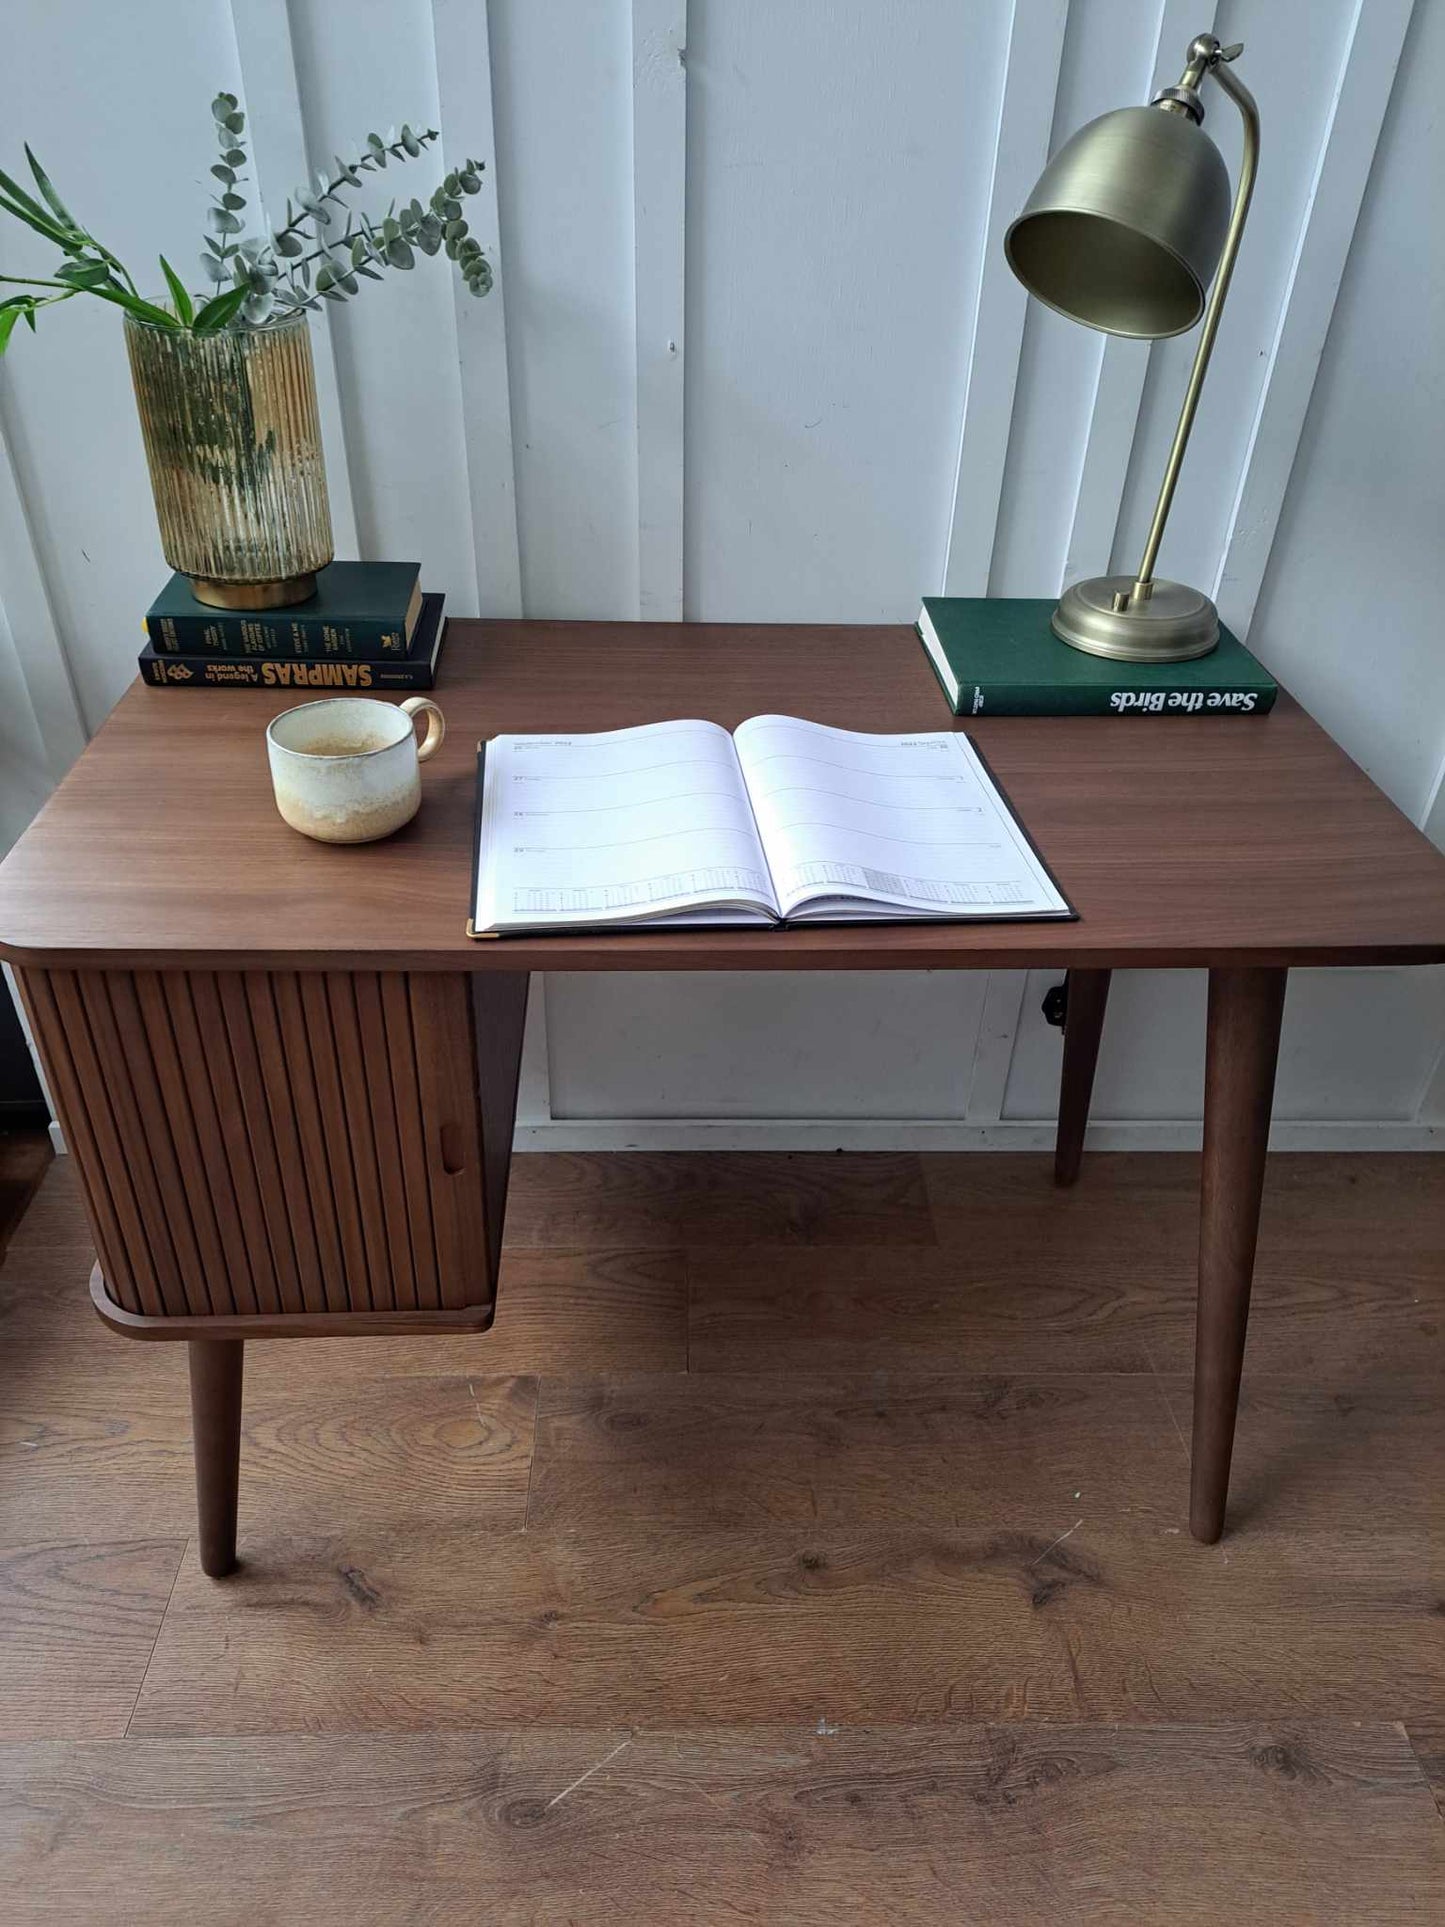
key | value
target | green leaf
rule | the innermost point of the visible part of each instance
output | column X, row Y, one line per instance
column 222, row 105
column 52, row 199
column 470, row 183
column 289, row 245
column 399, row 254
column 16, row 201
column 142, row 310
column 185, row 311
column 8, row 317
column 234, row 156
column 223, row 172
column 219, row 310
column 88, row 273
column 233, row 201
column 234, row 123
column 410, row 142
column 223, row 221
column 214, row 270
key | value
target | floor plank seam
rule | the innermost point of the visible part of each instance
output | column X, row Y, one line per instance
column 540, row 1383
column 160, row 1628
column 687, row 1309
column 1163, row 1391
column 1436, row 1792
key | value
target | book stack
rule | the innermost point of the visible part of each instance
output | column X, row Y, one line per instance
column 369, row 627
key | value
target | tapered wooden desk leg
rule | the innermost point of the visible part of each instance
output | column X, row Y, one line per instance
column 1244, row 1017
column 216, row 1371
column 1087, row 998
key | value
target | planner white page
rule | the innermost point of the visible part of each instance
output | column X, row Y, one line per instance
column 856, row 826
column 628, row 825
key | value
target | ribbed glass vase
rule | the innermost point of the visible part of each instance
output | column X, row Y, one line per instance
column 233, row 441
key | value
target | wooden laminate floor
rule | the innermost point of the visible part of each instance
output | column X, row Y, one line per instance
column 805, row 1544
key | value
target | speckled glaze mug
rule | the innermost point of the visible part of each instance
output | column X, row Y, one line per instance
column 347, row 769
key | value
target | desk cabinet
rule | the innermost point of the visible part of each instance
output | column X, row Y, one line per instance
column 267, row 1153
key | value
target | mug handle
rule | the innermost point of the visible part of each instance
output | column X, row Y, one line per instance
column 436, row 724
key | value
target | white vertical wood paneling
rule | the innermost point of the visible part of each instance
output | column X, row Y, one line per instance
column 1122, row 365
column 1358, row 100
column 994, row 1046
column 272, row 100
column 534, row 1085
column 27, row 618
column 833, row 229
column 1432, row 1103
column 1021, row 145
column 659, row 203
column 1432, row 821
column 372, row 66
column 464, row 87
column 562, row 105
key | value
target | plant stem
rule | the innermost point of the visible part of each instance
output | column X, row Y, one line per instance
column 332, row 190
column 105, row 254
column 28, row 281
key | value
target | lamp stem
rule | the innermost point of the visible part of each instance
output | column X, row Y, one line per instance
column 1249, row 164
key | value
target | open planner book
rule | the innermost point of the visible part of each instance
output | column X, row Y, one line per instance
column 783, row 821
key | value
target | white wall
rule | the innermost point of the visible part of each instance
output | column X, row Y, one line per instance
column 755, row 354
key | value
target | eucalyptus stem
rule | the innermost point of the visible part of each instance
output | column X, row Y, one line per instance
column 256, row 278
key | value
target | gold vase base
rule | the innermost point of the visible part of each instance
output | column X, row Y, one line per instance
column 254, row 595
column 1176, row 624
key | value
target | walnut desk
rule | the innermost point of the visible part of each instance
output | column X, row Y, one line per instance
column 288, row 1078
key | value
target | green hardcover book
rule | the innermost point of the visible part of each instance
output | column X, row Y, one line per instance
column 416, row 670
column 367, row 611
column 997, row 656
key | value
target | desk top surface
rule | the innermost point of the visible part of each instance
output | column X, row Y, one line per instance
column 1180, row 840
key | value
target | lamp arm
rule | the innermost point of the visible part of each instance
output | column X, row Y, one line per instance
column 1249, row 165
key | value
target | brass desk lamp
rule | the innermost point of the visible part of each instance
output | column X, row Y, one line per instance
column 1123, row 232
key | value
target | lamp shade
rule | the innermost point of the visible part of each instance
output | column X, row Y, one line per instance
column 1124, row 229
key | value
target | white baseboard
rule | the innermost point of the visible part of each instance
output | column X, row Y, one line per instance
column 947, row 1134
column 944, row 1134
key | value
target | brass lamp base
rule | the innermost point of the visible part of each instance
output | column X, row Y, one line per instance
column 280, row 594
column 1173, row 625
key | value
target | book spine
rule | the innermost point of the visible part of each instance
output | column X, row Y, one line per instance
column 993, row 699
column 275, row 632
column 243, row 672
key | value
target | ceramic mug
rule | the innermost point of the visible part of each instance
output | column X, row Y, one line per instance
column 346, row 769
